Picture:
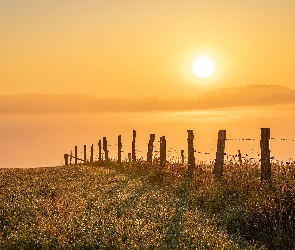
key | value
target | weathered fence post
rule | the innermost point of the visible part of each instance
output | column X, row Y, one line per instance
column 99, row 150
column 265, row 155
column 182, row 156
column 191, row 152
column 151, row 148
column 133, row 146
column 91, row 154
column 76, row 155
column 66, row 159
column 129, row 157
column 105, row 148
column 119, row 148
column 240, row 157
column 162, row 150
column 85, row 154
column 71, row 157
column 218, row 167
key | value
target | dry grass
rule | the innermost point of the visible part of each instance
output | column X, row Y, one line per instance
column 140, row 206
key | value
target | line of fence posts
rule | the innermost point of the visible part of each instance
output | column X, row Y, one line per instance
column 266, row 175
column 219, row 161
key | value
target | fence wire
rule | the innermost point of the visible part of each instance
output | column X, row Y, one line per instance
column 282, row 139
column 172, row 151
column 242, row 139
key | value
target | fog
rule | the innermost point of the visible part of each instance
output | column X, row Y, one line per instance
column 41, row 139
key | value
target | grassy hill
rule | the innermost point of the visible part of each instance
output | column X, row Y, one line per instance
column 139, row 206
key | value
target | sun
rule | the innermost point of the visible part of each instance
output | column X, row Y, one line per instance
column 203, row 66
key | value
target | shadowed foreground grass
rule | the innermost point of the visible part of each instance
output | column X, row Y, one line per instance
column 140, row 206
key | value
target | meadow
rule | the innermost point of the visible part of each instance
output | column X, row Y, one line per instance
column 138, row 205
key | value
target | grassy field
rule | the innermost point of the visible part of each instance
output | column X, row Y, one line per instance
column 139, row 206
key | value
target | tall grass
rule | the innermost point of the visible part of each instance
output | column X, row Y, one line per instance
column 255, row 211
column 145, row 206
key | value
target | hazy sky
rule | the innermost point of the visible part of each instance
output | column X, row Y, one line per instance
column 138, row 55
column 143, row 48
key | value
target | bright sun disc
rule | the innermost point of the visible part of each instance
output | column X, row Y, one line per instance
column 203, row 66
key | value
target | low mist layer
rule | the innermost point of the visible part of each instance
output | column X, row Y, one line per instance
column 260, row 95
column 41, row 139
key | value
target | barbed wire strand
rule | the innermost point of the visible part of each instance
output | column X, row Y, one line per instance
column 183, row 140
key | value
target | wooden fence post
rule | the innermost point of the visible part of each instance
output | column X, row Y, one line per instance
column 151, row 148
column 218, row 167
column 66, row 159
column 85, row 154
column 240, row 157
column 265, row 155
column 191, row 152
column 162, row 150
column 133, row 146
column 105, row 148
column 91, row 154
column 129, row 157
column 119, row 148
column 71, row 157
column 76, row 155
column 182, row 156
column 99, row 150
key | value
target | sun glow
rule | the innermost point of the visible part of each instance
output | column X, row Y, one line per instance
column 203, row 66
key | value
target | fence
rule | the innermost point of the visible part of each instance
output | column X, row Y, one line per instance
column 219, row 155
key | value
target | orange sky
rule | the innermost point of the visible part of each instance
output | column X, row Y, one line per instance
column 137, row 54
column 143, row 48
